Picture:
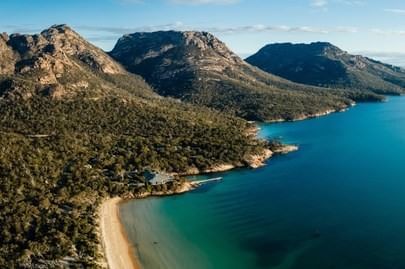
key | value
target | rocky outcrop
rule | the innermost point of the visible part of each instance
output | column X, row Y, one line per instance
column 256, row 161
column 284, row 149
column 7, row 57
column 50, row 50
column 162, row 57
column 58, row 62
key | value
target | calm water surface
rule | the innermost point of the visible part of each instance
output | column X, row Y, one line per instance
column 339, row 202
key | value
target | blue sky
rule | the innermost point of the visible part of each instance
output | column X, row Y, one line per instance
column 372, row 27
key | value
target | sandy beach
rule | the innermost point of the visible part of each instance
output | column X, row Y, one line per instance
column 117, row 249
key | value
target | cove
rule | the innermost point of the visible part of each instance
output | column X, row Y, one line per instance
column 338, row 202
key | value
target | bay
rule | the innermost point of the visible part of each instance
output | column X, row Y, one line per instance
column 338, row 202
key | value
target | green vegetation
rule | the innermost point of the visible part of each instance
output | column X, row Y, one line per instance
column 58, row 159
column 75, row 128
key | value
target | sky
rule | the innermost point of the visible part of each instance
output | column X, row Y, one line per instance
column 375, row 28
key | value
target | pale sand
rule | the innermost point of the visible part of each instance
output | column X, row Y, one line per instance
column 117, row 249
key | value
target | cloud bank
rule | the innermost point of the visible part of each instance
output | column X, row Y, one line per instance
column 258, row 28
column 395, row 11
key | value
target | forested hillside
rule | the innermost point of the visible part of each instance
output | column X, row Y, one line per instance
column 75, row 128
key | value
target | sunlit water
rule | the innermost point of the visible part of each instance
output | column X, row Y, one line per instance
column 339, row 202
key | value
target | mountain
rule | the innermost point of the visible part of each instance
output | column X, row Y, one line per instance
column 77, row 128
column 198, row 68
column 60, row 64
column 323, row 64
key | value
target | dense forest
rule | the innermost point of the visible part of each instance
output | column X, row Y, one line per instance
column 77, row 128
column 59, row 159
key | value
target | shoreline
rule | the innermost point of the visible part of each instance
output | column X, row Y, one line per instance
column 183, row 188
column 312, row 116
column 118, row 251
column 115, row 242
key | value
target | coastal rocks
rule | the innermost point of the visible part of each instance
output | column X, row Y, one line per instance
column 256, row 161
column 214, row 169
column 284, row 149
column 252, row 161
column 192, row 171
column 221, row 168
column 184, row 187
column 315, row 115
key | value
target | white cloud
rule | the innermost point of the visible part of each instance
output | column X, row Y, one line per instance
column 394, row 58
column 186, row 2
column 388, row 32
column 319, row 3
column 179, row 26
column 345, row 29
column 131, row 1
column 324, row 4
column 351, row 2
column 204, row 2
column 265, row 28
column 395, row 10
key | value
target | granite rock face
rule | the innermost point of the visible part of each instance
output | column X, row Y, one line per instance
column 171, row 60
column 7, row 57
column 58, row 62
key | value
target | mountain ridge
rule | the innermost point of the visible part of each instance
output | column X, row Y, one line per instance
column 324, row 64
column 197, row 67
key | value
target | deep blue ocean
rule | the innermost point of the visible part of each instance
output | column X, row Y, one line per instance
column 337, row 203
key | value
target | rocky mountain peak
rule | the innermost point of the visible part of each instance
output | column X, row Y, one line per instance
column 58, row 58
column 60, row 43
column 58, row 29
column 205, row 41
column 182, row 51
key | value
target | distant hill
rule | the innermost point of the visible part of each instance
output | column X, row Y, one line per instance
column 198, row 68
column 323, row 64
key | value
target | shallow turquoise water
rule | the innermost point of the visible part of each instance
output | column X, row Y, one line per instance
column 339, row 202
